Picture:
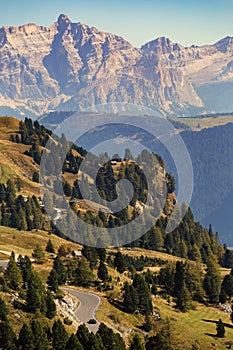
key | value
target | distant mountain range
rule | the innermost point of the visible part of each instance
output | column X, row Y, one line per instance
column 71, row 66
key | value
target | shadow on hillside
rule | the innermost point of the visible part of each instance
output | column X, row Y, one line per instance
column 212, row 321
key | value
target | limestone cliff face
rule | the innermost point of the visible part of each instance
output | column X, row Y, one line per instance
column 71, row 66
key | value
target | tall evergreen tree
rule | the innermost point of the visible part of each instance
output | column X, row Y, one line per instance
column 111, row 340
column 227, row 285
column 13, row 274
column 73, row 343
column 143, row 291
column 220, row 329
column 59, row 267
column 119, row 262
column 103, row 272
column 91, row 255
column 131, row 299
column 53, row 281
column 50, row 306
column 83, row 335
column 60, row 336
column 137, row 343
column 3, row 310
column 26, row 338
column 7, row 337
column 39, row 336
column 212, row 280
column 158, row 342
column 50, row 247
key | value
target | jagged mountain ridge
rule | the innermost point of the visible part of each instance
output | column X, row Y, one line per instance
column 71, row 66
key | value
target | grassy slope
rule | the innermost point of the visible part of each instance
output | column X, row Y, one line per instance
column 198, row 123
column 14, row 164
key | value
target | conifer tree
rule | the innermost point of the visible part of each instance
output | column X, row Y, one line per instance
column 73, row 343
column 39, row 336
column 3, row 310
column 220, row 329
column 158, row 342
column 26, row 338
column 103, row 272
column 50, row 248
column 59, row 335
column 38, row 254
column 137, row 343
column 147, row 325
column 212, row 280
column 119, row 262
column 83, row 335
column 59, row 267
column 144, row 297
column 13, row 274
column 131, row 299
column 227, row 285
column 7, row 337
column 83, row 275
column 91, row 255
column 50, row 306
column 53, row 281
column 111, row 340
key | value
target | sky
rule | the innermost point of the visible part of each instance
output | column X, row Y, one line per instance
column 183, row 21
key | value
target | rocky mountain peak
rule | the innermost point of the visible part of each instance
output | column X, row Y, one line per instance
column 161, row 45
column 63, row 22
column 225, row 45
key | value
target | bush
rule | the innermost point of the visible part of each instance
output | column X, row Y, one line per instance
column 67, row 321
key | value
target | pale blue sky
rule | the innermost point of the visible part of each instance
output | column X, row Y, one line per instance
column 139, row 21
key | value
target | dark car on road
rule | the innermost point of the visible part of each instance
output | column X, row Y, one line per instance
column 92, row 321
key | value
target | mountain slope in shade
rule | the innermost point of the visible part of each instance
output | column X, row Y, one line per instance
column 71, row 66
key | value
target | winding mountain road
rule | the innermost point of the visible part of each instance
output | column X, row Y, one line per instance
column 88, row 304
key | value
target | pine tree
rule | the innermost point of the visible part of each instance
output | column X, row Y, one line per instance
column 91, row 255
column 26, row 338
column 73, row 343
column 39, row 336
column 53, row 281
column 7, row 337
column 83, row 275
column 111, row 340
column 59, row 335
column 103, row 272
column 59, row 267
column 212, row 280
column 137, row 343
column 227, row 285
column 38, row 254
column 33, row 299
column 95, row 342
column 3, row 310
column 119, row 262
column 220, row 329
column 50, row 306
column 50, row 248
column 147, row 325
column 158, row 342
column 183, row 299
column 145, row 303
column 13, row 274
column 131, row 299
column 10, row 193
column 83, row 335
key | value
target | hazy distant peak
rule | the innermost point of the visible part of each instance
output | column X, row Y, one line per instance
column 161, row 45
column 224, row 45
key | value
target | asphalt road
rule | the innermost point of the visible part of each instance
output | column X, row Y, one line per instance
column 88, row 304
